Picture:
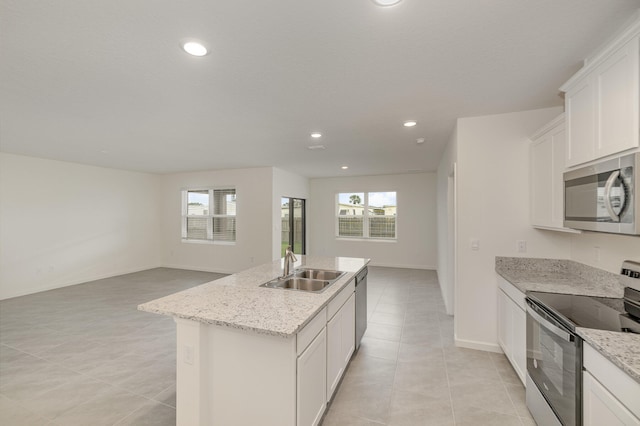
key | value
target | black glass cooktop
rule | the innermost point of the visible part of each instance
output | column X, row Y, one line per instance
column 587, row 311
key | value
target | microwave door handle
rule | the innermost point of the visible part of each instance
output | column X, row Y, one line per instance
column 607, row 195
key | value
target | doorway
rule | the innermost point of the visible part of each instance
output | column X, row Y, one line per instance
column 293, row 225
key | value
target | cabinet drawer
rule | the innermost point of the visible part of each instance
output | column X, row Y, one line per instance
column 311, row 330
column 336, row 303
column 512, row 291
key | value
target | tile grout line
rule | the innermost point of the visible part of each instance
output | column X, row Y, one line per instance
column 113, row 385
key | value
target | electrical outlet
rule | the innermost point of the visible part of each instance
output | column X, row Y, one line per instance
column 522, row 246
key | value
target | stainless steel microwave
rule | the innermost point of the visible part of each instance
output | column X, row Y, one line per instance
column 604, row 197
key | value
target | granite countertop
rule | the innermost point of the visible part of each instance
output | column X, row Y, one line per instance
column 623, row 349
column 238, row 301
column 558, row 276
column 569, row 277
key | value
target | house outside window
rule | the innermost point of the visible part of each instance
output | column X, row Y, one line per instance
column 209, row 215
column 370, row 215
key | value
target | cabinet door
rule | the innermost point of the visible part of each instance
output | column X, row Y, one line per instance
column 340, row 343
column 311, row 382
column 503, row 323
column 600, row 407
column 558, row 141
column 581, row 123
column 541, row 182
column 512, row 332
column 618, row 97
column 348, row 325
column 519, row 349
column 334, row 353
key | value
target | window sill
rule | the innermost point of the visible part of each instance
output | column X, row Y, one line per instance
column 372, row 240
column 209, row 242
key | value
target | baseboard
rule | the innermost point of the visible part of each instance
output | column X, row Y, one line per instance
column 393, row 265
column 83, row 280
column 481, row 346
column 199, row 269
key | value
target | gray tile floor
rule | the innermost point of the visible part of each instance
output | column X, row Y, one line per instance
column 84, row 355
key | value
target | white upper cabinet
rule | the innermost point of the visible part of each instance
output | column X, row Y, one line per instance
column 602, row 101
column 580, row 106
column 618, row 98
column 547, row 165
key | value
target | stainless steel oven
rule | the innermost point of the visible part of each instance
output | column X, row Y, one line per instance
column 554, row 367
column 554, row 350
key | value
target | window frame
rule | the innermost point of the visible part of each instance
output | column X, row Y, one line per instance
column 365, row 218
column 210, row 216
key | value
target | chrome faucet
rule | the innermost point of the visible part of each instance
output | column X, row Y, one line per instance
column 289, row 258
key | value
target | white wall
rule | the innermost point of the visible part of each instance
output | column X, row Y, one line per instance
column 254, row 221
column 416, row 245
column 493, row 207
column 285, row 184
column 446, row 222
column 605, row 251
column 64, row 223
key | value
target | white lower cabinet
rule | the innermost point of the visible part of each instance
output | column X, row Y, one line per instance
column 311, row 381
column 609, row 396
column 600, row 407
column 340, row 343
column 512, row 326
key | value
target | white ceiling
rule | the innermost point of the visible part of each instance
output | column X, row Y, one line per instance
column 105, row 82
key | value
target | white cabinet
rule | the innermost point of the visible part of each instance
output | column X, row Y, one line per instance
column 602, row 102
column 340, row 343
column 580, row 106
column 609, row 397
column 311, row 381
column 512, row 326
column 547, row 166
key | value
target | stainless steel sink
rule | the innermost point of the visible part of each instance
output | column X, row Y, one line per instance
column 314, row 280
column 318, row 274
column 295, row 283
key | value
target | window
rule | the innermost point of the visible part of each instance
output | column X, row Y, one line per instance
column 366, row 215
column 209, row 215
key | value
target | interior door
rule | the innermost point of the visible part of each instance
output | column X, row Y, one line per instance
column 293, row 225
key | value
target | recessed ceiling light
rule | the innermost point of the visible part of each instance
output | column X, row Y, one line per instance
column 194, row 48
column 344, row 167
column 386, row 2
column 314, row 147
column 316, row 135
column 410, row 123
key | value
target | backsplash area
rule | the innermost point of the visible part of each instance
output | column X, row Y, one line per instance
column 604, row 251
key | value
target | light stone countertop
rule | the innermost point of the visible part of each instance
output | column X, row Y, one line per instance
column 238, row 301
column 558, row 276
column 570, row 277
column 623, row 349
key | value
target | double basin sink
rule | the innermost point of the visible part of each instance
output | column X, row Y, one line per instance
column 313, row 280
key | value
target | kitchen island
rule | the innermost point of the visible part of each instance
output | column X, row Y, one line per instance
column 253, row 355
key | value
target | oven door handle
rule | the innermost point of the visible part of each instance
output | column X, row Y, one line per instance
column 550, row 325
